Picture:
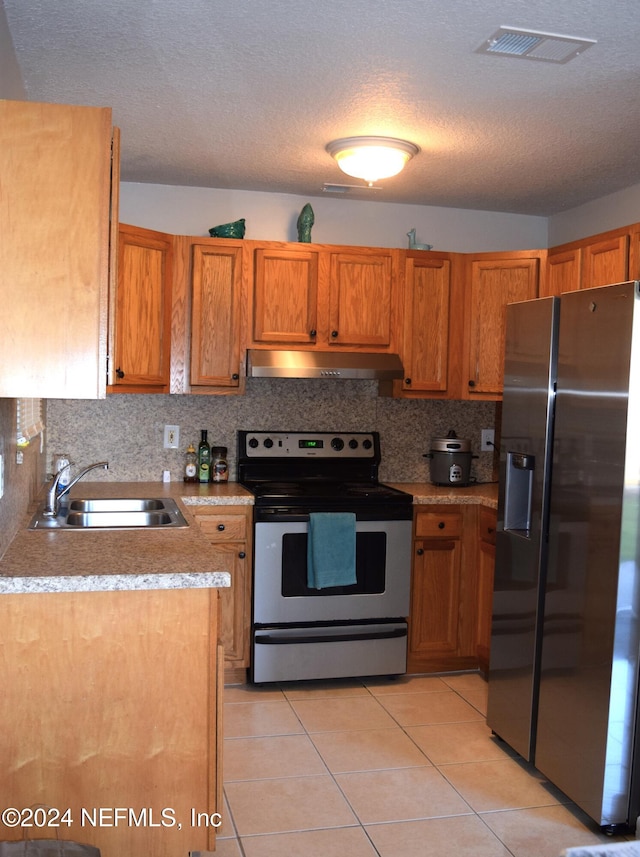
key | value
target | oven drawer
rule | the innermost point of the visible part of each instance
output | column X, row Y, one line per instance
column 222, row 528
column 438, row 525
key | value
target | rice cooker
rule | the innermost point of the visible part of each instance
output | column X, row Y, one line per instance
column 450, row 460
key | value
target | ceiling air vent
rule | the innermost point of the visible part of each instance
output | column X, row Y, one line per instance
column 534, row 45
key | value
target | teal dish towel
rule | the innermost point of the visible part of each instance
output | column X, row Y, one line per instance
column 331, row 550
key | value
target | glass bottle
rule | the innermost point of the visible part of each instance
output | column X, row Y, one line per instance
column 204, row 458
column 219, row 465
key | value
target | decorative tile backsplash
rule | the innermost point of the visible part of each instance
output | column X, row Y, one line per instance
column 128, row 430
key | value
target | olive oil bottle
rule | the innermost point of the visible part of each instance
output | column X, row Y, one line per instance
column 204, row 458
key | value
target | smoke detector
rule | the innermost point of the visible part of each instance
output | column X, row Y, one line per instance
column 534, row 45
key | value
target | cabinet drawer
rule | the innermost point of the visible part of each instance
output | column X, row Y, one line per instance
column 446, row 525
column 487, row 526
column 223, row 528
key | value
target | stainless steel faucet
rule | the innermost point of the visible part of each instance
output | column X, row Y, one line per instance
column 53, row 495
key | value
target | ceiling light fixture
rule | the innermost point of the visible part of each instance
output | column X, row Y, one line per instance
column 371, row 158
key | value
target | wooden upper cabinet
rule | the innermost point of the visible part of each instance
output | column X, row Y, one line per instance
column 141, row 331
column 494, row 281
column 563, row 272
column 216, row 315
column 55, row 186
column 362, row 294
column 605, row 262
column 427, row 316
column 285, row 296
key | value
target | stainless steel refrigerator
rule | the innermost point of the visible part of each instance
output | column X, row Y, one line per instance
column 564, row 666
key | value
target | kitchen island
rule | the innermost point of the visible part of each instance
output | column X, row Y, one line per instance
column 111, row 675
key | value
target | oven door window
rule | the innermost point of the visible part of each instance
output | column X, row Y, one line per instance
column 371, row 553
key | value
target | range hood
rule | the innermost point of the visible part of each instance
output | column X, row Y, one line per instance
column 323, row 364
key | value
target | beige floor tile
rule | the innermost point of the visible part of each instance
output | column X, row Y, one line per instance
column 406, row 684
column 245, row 719
column 469, row 741
column 341, row 715
column 472, row 687
column 294, row 803
column 227, row 848
column 226, row 829
column 368, row 750
column 417, row 709
column 336, row 842
column 252, row 693
column 400, row 795
column 273, row 756
column 316, row 689
column 544, row 831
column 505, row 784
column 459, row 836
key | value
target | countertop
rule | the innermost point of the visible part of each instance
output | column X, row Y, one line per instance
column 90, row 560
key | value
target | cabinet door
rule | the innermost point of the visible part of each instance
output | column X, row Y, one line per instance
column 435, row 600
column 285, row 296
column 141, row 354
column 605, row 262
column 492, row 285
column 55, row 181
column 425, row 352
column 563, row 272
column 361, row 299
column 215, row 316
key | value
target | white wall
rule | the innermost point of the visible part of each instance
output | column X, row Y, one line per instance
column 273, row 216
column 609, row 212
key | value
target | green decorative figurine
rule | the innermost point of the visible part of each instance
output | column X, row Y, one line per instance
column 305, row 222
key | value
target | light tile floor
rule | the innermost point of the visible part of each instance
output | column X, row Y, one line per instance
column 394, row 768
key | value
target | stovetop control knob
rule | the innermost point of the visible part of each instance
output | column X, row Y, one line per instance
column 367, row 443
column 337, row 443
column 268, row 442
column 353, row 443
column 253, row 442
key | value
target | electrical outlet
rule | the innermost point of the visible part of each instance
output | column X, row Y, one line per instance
column 487, row 440
column 172, row 437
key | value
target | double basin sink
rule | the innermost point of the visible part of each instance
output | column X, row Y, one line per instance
column 112, row 514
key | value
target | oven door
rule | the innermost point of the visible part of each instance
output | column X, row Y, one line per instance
column 383, row 571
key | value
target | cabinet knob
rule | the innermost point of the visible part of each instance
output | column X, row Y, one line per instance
column 235, row 376
column 119, row 373
column 441, row 525
column 334, row 334
column 420, row 551
column 241, row 555
column 407, row 381
column 221, row 527
column 313, row 333
column 472, row 383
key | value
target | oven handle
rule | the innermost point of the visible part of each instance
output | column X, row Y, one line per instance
column 269, row 640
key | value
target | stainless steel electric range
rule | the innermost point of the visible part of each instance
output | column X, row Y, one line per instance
column 310, row 489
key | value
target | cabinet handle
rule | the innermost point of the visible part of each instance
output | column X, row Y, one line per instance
column 241, row 555
column 441, row 525
column 313, row 333
column 334, row 334
column 472, row 383
column 420, row 551
column 407, row 381
column 119, row 373
column 235, row 376
column 221, row 527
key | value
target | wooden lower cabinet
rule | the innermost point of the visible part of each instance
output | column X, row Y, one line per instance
column 451, row 588
column 110, row 704
column 229, row 528
column 486, row 562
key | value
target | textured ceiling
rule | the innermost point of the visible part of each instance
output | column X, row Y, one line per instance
column 245, row 94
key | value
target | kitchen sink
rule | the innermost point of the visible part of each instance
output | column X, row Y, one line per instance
column 112, row 514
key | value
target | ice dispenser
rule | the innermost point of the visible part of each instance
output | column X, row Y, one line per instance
column 518, row 492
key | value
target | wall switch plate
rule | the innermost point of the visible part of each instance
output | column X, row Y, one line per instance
column 487, row 440
column 172, row 437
